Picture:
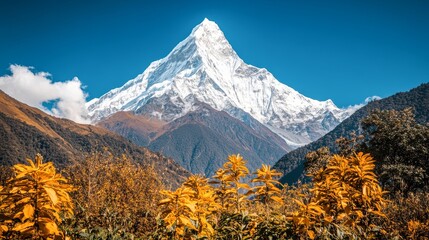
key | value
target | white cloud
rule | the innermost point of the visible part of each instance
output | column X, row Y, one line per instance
column 353, row 108
column 35, row 89
column 370, row 99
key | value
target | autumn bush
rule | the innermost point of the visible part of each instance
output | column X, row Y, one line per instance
column 116, row 197
column 400, row 145
column 407, row 216
column 34, row 202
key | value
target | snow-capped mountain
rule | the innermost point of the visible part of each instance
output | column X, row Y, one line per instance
column 205, row 68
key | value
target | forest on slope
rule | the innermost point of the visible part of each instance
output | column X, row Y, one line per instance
column 292, row 163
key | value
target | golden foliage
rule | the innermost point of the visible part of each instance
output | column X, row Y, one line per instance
column 346, row 196
column 408, row 216
column 116, row 195
column 33, row 199
column 306, row 217
column 268, row 192
column 179, row 210
column 348, row 189
column 229, row 185
column 418, row 230
column 205, row 204
column 190, row 207
column 117, row 199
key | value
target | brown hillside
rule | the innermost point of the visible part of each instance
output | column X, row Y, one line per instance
column 25, row 131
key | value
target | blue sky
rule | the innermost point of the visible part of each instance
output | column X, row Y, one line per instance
column 339, row 50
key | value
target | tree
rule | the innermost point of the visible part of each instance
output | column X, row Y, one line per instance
column 316, row 160
column 401, row 146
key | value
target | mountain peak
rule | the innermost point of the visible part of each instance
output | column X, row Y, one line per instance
column 210, row 39
column 206, row 26
column 208, row 22
column 205, row 68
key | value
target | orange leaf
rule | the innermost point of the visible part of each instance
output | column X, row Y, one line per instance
column 52, row 195
column 28, row 211
column 21, row 227
column 49, row 228
column 3, row 228
column 311, row 234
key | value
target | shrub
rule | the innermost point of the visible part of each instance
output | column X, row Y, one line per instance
column 229, row 191
column 34, row 200
column 116, row 197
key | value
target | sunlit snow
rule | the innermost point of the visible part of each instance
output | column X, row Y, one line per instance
column 204, row 67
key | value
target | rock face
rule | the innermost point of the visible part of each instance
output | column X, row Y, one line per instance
column 25, row 131
column 204, row 68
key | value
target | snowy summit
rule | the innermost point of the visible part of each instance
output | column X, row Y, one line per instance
column 205, row 68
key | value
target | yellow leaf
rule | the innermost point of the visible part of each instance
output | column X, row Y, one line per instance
column 378, row 213
column 52, row 195
column 185, row 221
column 299, row 203
column 28, row 212
column 20, row 168
column 24, row 200
column 341, row 216
column 191, row 206
column 277, row 199
column 310, row 234
column 49, row 228
column 329, row 219
column 21, row 227
column 359, row 213
column 243, row 185
column 31, row 163
column 164, row 201
column 3, row 228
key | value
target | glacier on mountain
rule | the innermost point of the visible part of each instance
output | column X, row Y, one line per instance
column 205, row 68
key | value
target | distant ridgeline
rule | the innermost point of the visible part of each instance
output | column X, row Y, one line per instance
column 292, row 164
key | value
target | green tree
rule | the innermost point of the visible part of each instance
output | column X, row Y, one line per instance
column 401, row 147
